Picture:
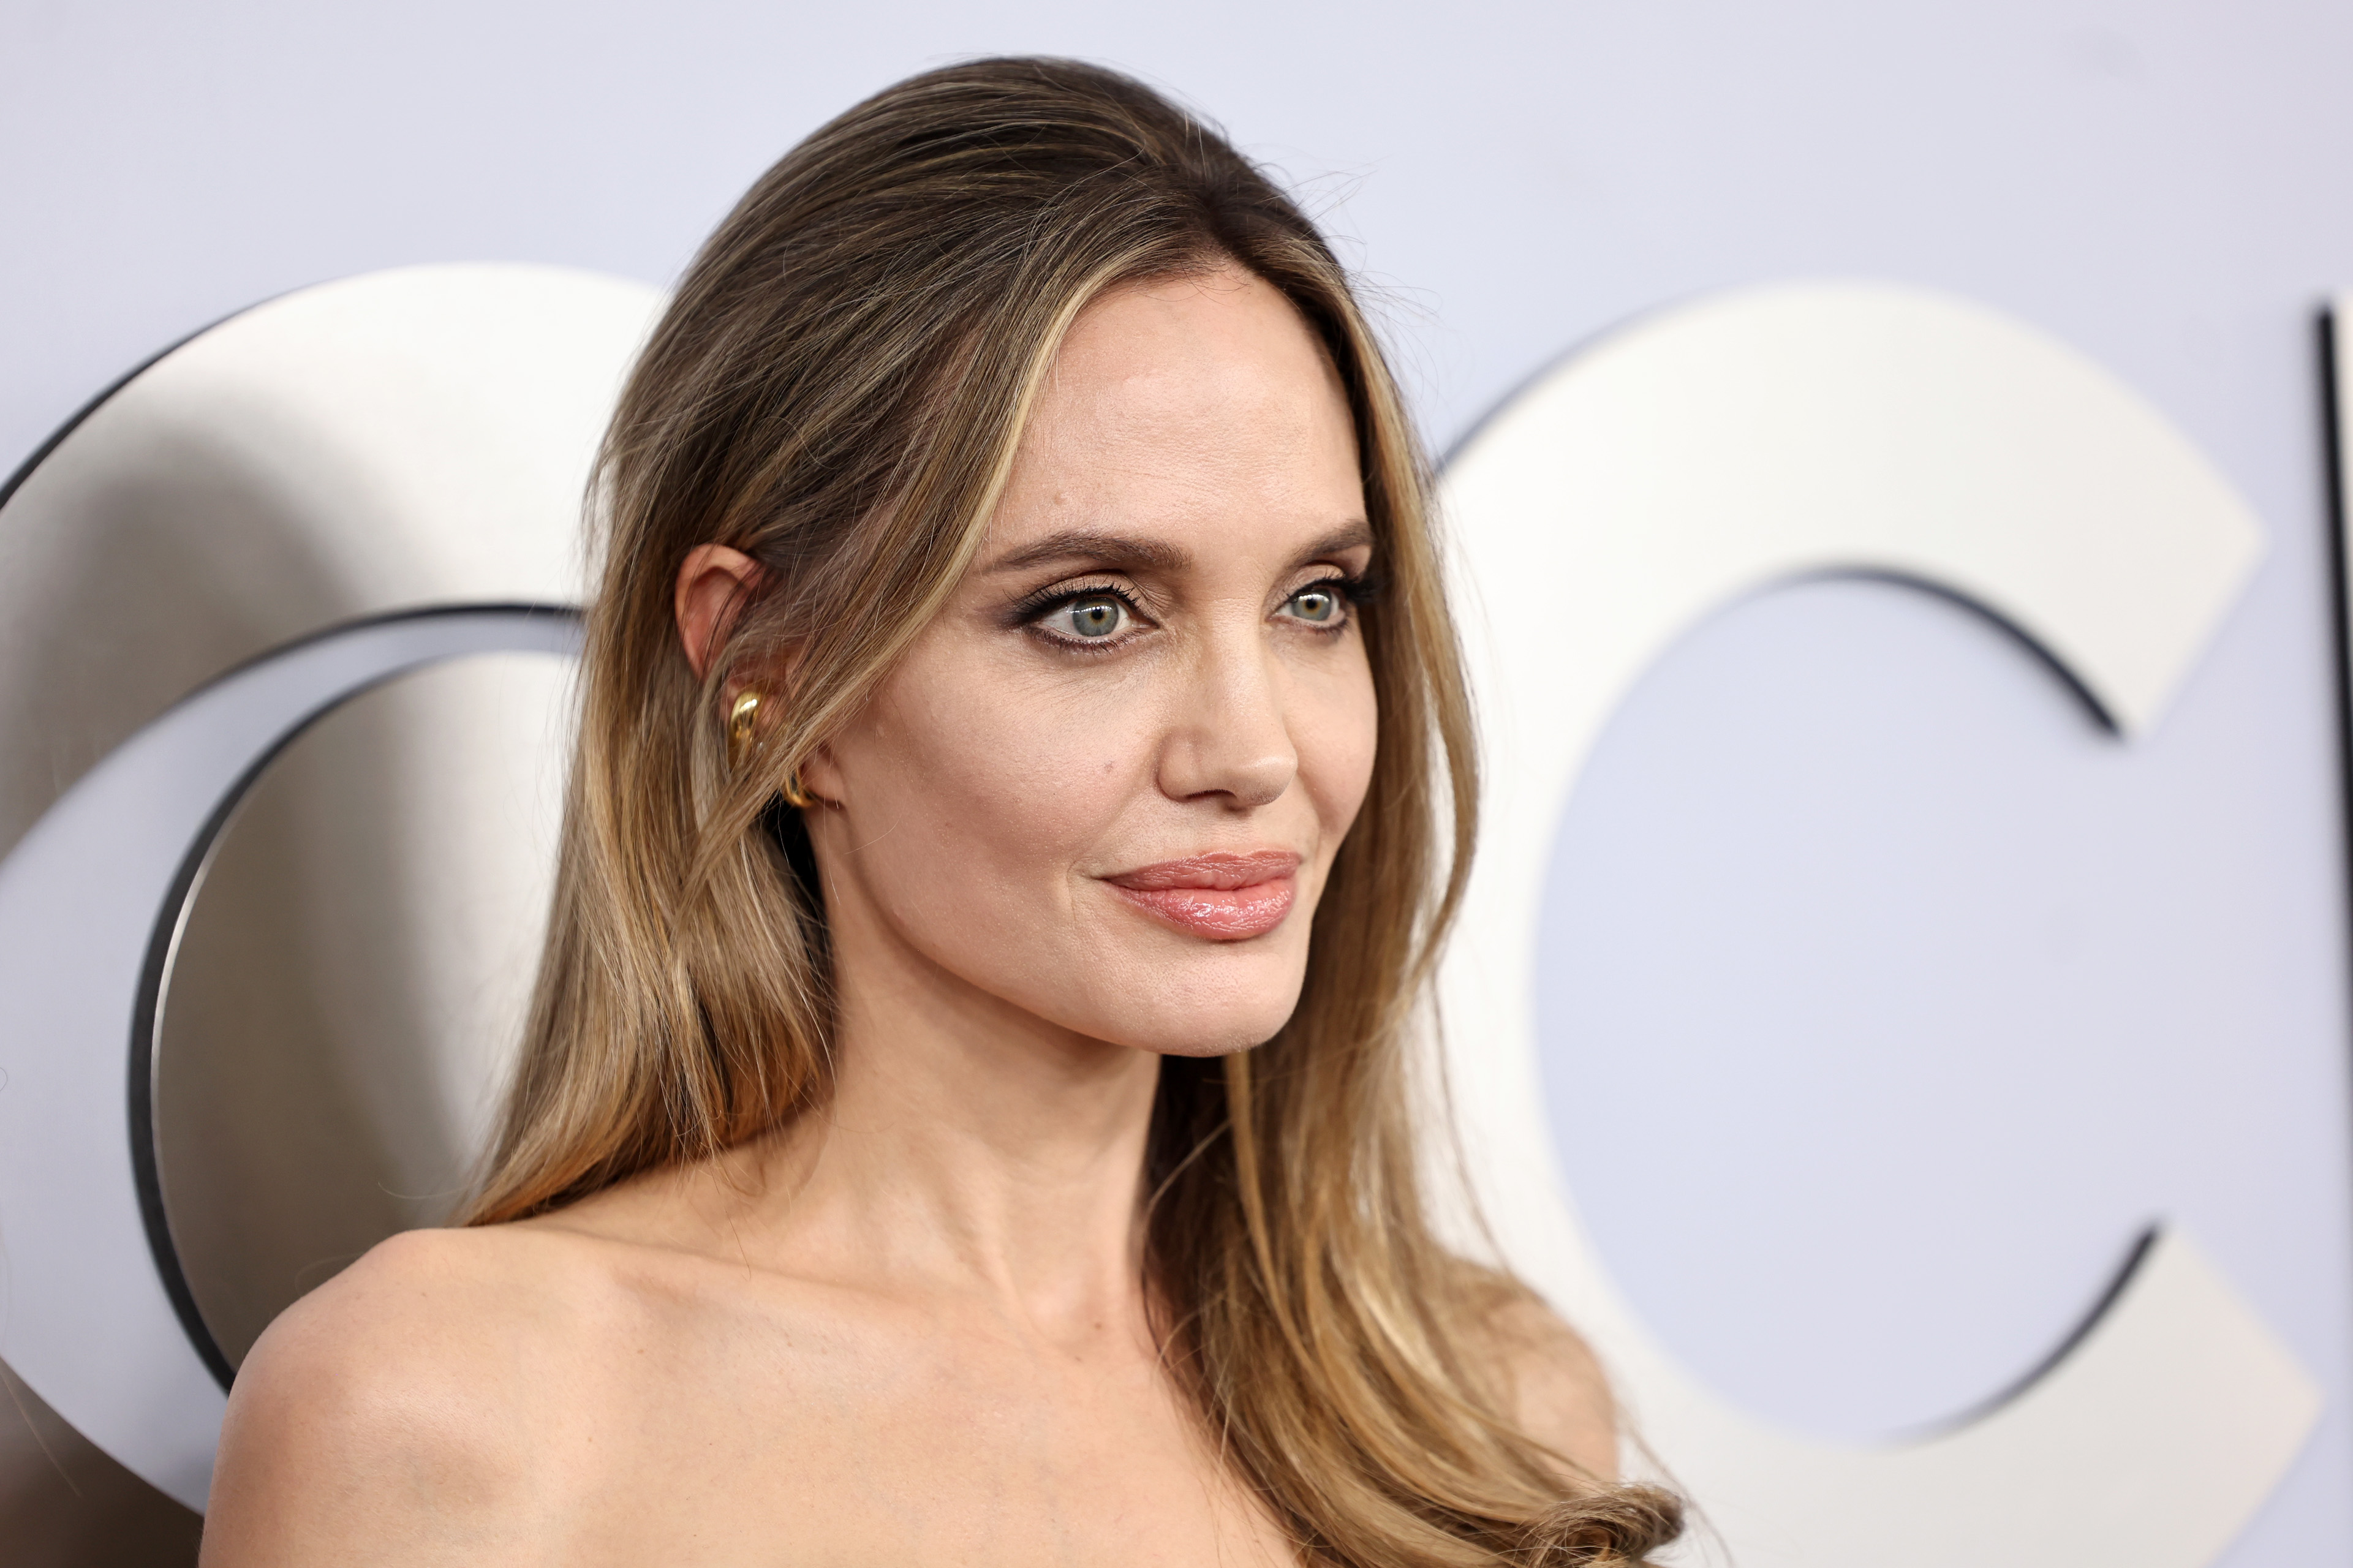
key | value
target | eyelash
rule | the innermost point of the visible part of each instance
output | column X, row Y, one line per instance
column 1353, row 592
column 1356, row 591
column 1034, row 609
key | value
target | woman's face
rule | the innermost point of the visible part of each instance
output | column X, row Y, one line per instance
column 1106, row 785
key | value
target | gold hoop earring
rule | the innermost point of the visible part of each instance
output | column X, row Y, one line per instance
column 796, row 796
column 740, row 719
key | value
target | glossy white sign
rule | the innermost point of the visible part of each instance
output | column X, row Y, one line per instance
column 310, row 499
column 1700, row 455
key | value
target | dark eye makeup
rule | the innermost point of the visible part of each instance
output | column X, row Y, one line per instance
column 1095, row 613
column 1090, row 617
column 1320, row 603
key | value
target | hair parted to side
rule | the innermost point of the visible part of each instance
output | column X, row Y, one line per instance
column 838, row 391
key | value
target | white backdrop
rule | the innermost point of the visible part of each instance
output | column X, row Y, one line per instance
column 2119, row 986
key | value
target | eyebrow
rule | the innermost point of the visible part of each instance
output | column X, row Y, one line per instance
column 1116, row 551
column 1100, row 549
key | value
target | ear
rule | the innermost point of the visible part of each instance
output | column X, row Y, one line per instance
column 822, row 776
column 712, row 587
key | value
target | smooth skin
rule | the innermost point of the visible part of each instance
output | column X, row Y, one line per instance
column 911, row 1329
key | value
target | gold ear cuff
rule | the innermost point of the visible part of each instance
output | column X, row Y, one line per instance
column 740, row 719
column 743, row 717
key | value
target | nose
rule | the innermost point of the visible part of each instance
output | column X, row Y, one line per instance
column 1229, row 742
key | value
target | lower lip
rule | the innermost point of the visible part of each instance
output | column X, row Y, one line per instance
column 1220, row 914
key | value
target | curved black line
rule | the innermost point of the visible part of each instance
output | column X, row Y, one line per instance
column 2092, row 706
column 2340, row 554
column 162, row 946
column 2334, row 457
column 2135, row 1258
column 382, row 619
column 24, row 470
column 1529, row 382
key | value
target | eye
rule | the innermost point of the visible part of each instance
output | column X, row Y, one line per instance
column 1318, row 604
column 1091, row 618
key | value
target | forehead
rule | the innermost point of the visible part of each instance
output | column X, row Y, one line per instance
column 1185, row 405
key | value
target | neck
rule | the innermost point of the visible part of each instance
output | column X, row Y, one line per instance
column 968, row 1147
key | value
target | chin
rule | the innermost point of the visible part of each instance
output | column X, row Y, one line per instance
column 1213, row 1015
column 1223, row 1045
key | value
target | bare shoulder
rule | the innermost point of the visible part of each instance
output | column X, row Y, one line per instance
column 403, row 1411
column 1559, row 1393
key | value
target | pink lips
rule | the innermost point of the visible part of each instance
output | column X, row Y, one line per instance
column 1225, row 898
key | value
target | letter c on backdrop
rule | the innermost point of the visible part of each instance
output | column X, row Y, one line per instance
column 1700, row 455
column 312, row 499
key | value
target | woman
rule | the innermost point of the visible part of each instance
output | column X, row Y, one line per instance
column 965, row 1115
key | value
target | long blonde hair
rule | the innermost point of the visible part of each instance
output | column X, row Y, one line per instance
column 838, row 391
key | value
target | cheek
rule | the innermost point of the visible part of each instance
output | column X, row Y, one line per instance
column 973, row 791
column 1336, row 728
column 979, row 796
